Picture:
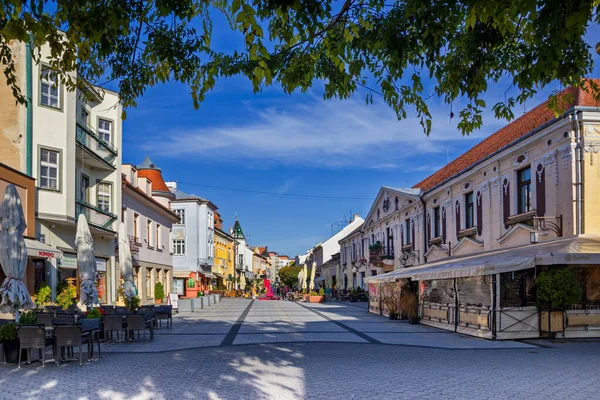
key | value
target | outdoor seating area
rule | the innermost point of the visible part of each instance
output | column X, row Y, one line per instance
column 63, row 331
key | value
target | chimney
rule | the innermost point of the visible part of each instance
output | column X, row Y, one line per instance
column 354, row 218
column 171, row 185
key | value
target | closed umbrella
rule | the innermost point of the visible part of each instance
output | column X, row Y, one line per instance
column 13, row 254
column 304, row 277
column 349, row 276
column 86, row 263
column 328, row 279
column 338, row 276
column 242, row 280
column 300, row 279
column 126, row 263
column 312, row 276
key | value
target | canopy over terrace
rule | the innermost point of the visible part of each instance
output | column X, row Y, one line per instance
column 583, row 249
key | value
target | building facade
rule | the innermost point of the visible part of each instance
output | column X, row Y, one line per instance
column 149, row 221
column 224, row 266
column 244, row 255
column 193, row 242
column 72, row 148
column 523, row 201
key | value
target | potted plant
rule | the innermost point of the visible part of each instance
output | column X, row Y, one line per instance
column 159, row 292
column 556, row 290
column 66, row 295
column 132, row 304
column 10, row 342
column 93, row 319
column 390, row 294
column 354, row 295
column 315, row 297
column 409, row 304
column 28, row 318
column 43, row 294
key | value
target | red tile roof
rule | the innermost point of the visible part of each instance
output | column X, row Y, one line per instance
column 155, row 176
column 508, row 134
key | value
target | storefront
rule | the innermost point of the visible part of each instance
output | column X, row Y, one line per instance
column 67, row 271
column 492, row 295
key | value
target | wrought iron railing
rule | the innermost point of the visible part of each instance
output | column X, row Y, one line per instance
column 89, row 138
column 134, row 245
column 95, row 215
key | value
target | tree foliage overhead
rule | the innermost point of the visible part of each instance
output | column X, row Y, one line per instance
column 289, row 275
column 389, row 48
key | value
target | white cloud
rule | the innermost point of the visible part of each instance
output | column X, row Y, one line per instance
column 320, row 134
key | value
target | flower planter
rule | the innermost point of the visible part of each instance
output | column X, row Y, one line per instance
column 217, row 298
column 315, row 299
column 91, row 324
column 413, row 320
column 11, row 351
column 186, row 305
column 353, row 299
column 159, row 301
column 394, row 316
column 198, row 303
column 205, row 302
column 554, row 322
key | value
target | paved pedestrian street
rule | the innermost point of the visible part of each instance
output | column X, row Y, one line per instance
column 243, row 349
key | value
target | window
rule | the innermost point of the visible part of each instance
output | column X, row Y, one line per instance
column 157, row 236
column 50, row 95
column 84, row 186
column 49, row 169
column 407, row 234
column 524, row 190
column 179, row 247
column 136, row 227
column 181, row 214
column 171, row 241
column 149, row 233
column 83, row 116
column 105, row 130
column 103, row 195
column 353, row 251
column 228, row 254
column 437, row 223
column 469, row 219
column 148, row 283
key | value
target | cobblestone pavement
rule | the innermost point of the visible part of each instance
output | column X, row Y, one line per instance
column 252, row 350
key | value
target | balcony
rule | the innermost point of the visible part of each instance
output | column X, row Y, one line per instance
column 134, row 246
column 97, row 153
column 95, row 216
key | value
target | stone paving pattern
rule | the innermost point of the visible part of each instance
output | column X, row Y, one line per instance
column 281, row 352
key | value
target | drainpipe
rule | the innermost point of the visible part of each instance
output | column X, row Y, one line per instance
column 578, row 174
column 424, row 247
column 29, row 110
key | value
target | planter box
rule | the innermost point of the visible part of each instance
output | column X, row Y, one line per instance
column 197, row 303
column 209, row 299
column 553, row 323
column 90, row 324
column 315, row 299
column 353, row 299
column 186, row 305
column 205, row 302
column 217, row 298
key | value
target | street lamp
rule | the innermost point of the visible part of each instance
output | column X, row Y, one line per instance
column 534, row 237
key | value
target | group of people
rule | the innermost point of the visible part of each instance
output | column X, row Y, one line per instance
column 282, row 292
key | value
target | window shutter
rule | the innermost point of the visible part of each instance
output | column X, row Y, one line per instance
column 540, row 190
column 479, row 213
column 506, row 201
column 444, row 225
column 457, row 217
column 401, row 236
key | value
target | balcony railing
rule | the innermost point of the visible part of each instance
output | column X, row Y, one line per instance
column 89, row 139
column 95, row 215
column 134, row 245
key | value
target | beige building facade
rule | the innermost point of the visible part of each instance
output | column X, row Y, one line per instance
column 520, row 202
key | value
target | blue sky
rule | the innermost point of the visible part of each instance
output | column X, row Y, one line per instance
column 290, row 144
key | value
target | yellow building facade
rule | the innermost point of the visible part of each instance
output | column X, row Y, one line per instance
column 223, row 266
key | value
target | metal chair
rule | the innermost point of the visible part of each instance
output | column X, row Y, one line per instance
column 112, row 323
column 68, row 336
column 32, row 337
column 136, row 323
column 164, row 313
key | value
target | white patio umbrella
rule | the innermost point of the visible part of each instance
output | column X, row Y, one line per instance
column 312, row 276
column 86, row 264
column 328, row 279
column 242, row 280
column 300, row 279
column 349, row 276
column 304, row 277
column 338, row 276
column 126, row 263
column 13, row 254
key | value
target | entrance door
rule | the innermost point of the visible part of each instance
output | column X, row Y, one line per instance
column 40, row 273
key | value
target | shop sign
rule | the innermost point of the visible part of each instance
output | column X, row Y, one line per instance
column 68, row 261
column 178, row 286
column 100, row 264
column 174, row 300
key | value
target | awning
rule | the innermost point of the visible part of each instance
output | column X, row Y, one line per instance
column 35, row 248
column 180, row 273
column 208, row 274
column 249, row 274
column 320, row 279
column 574, row 250
column 219, row 276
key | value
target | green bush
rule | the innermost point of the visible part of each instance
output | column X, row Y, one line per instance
column 132, row 304
column 321, row 292
column 159, row 291
column 66, row 295
column 8, row 332
column 43, row 294
column 28, row 318
column 94, row 313
column 557, row 289
column 313, row 293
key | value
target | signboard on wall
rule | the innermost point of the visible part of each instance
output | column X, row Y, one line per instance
column 101, row 264
column 178, row 286
column 68, row 261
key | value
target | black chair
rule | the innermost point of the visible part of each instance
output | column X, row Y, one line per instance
column 64, row 318
column 46, row 319
column 32, row 337
column 164, row 312
column 69, row 336
column 136, row 323
column 112, row 323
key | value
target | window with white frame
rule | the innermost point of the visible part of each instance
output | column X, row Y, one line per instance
column 149, row 233
column 50, row 91
column 105, row 130
column 180, row 212
column 158, row 236
column 49, row 169
column 179, row 247
column 104, row 195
